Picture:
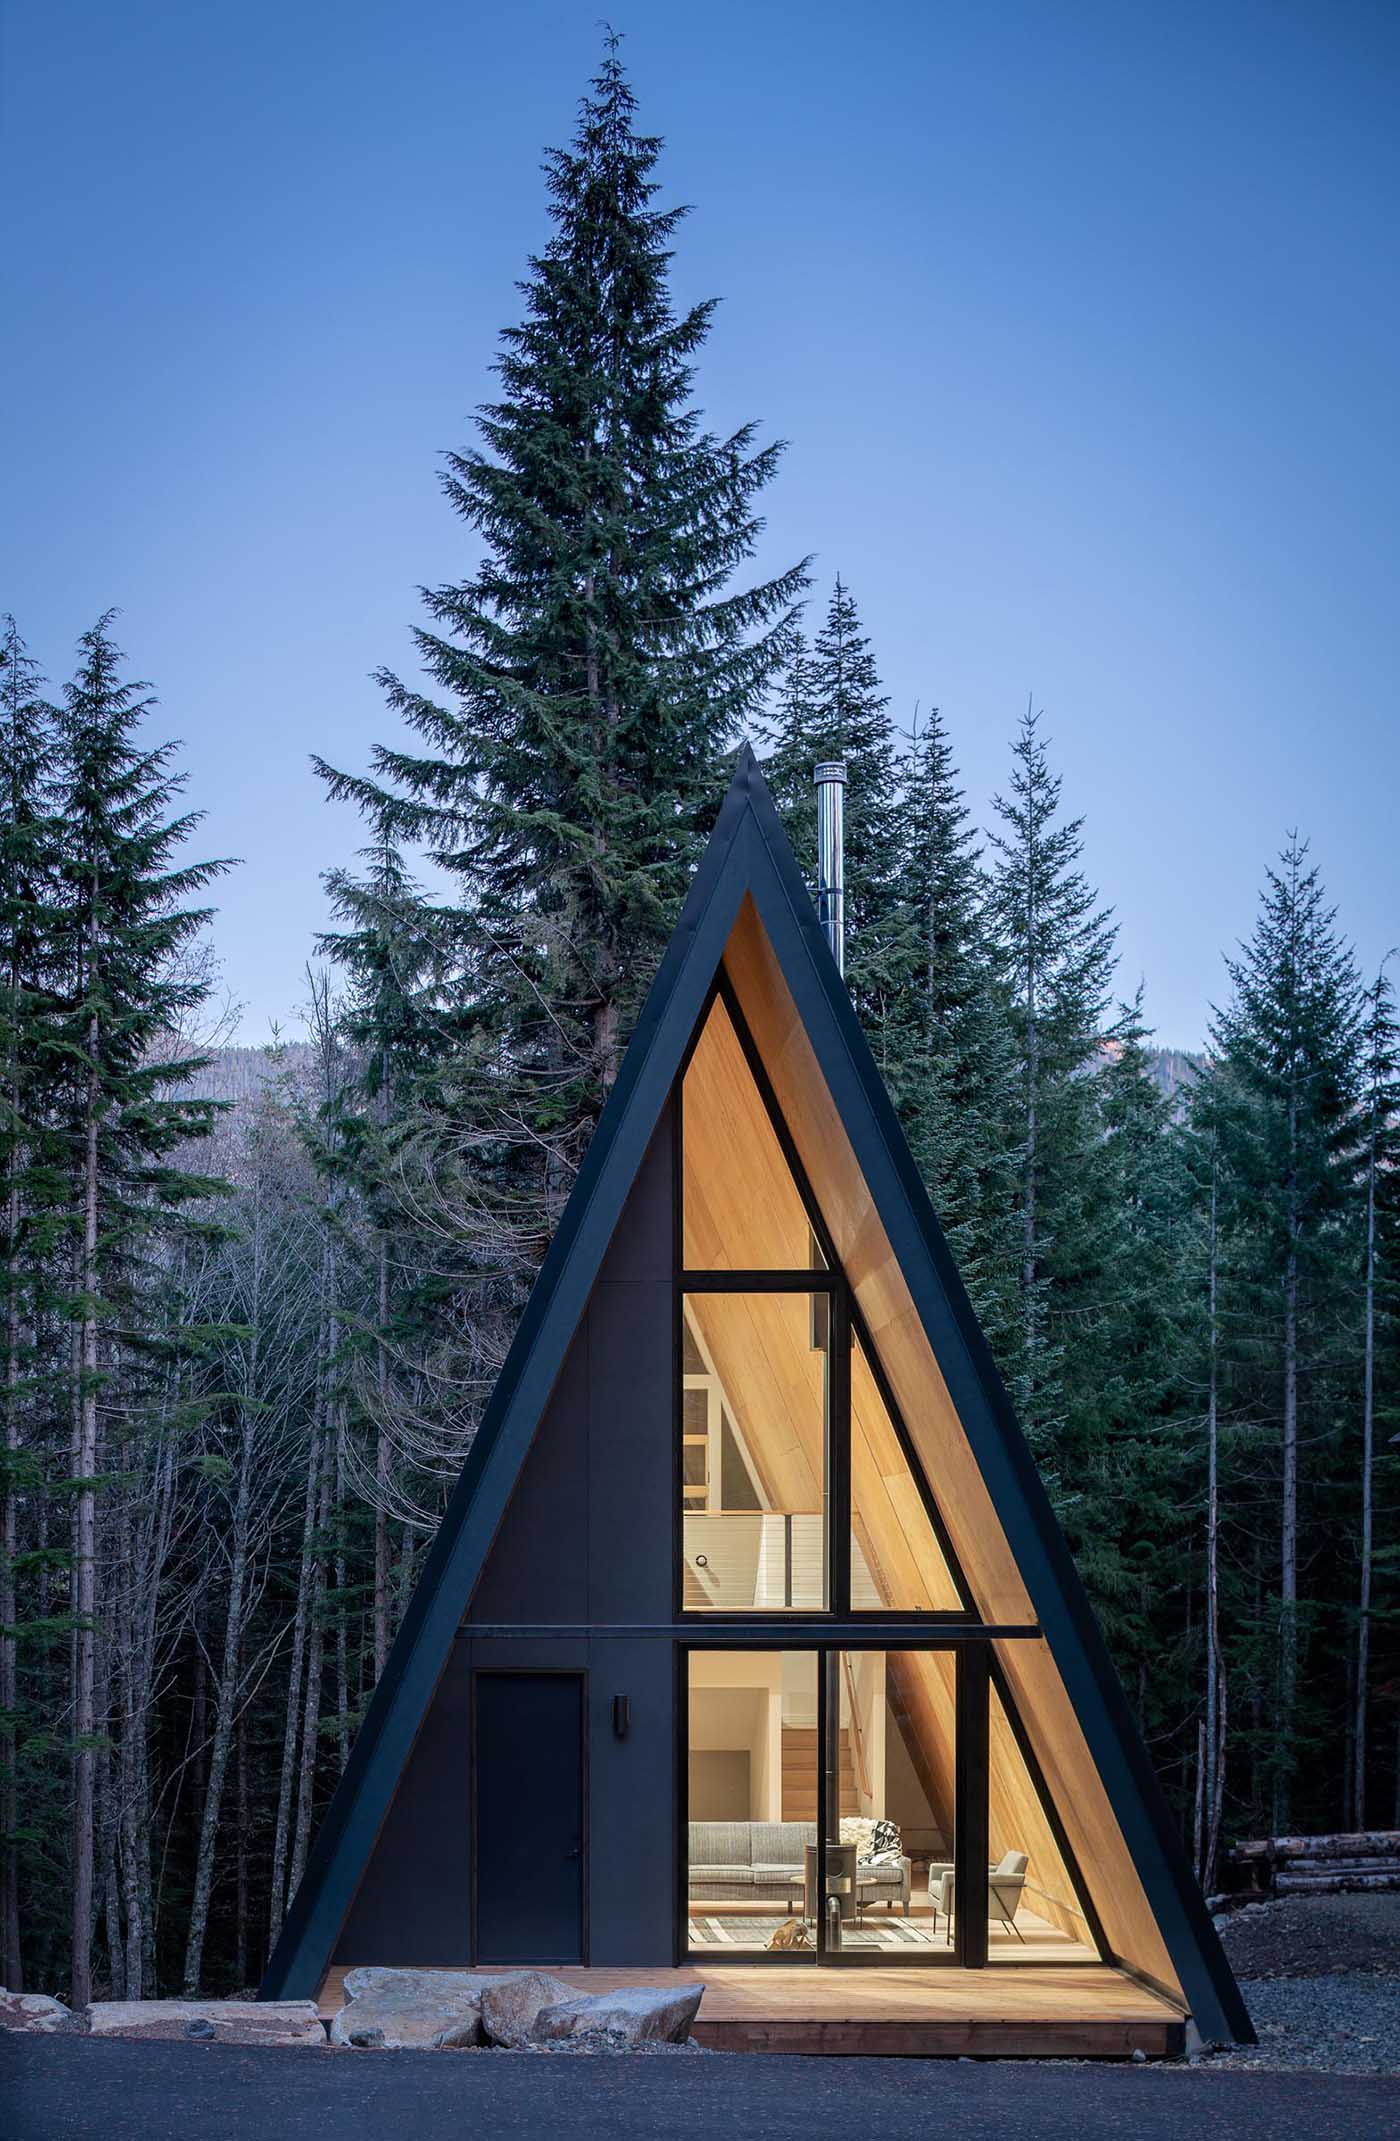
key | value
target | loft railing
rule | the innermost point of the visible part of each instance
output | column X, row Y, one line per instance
column 759, row 1560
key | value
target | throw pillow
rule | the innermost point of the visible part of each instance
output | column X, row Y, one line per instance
column 885, row 1844
column 859, row 1830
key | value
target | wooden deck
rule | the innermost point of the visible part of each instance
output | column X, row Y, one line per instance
column 1086, row 2011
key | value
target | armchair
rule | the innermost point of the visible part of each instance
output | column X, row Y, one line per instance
column 1005, row 1883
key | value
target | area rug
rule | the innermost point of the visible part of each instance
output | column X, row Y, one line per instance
column 888, row 1934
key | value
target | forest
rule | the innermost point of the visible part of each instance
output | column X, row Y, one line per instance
column 254, row 1299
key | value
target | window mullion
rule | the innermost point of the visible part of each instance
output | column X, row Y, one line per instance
column 838, row 1456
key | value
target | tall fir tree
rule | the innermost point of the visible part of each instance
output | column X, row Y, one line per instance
column 32, row 1217
column 1136, row 1494
column 831, row 706
column 949, row 1051
column 379, row 1138
column 1057, row 945
column 1287, row 1048
column 585, row 682
column 1380, row 1390
column 125, row 1114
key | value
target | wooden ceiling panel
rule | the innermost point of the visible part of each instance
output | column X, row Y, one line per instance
column 741, row 1207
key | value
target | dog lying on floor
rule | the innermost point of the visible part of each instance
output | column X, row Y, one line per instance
column 792, row 1933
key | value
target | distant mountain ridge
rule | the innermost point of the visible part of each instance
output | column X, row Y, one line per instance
column 1175, row 1069
column 238, row 1073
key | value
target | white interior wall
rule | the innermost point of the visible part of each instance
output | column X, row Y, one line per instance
column 736, row 1701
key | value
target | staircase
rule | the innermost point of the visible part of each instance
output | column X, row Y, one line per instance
column 800, row 1758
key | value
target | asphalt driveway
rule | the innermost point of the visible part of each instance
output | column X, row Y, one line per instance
column 80, row 2089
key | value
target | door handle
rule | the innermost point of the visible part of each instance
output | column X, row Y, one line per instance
column 575, row 1853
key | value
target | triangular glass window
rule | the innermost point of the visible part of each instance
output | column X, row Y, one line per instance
column 897, row 1564
column 1034, row 1910
column 741, row 1207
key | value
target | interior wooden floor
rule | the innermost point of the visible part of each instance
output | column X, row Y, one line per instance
column 1034, row 1939
column 1084, row 2011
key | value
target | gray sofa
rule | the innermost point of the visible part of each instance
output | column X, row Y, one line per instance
column 761, row 1862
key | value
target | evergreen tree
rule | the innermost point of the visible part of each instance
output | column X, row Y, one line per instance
column 1287, row 1045
column 1057, row 945
column 831, row 706
column 949, row 1051
column 126, row 1110
column 1380, row 1289
column 585, row 681
column 29, row 849
column 378, row 1138
column 1136, row 1492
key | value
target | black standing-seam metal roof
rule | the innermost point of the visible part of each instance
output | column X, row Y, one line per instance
column 748, row 853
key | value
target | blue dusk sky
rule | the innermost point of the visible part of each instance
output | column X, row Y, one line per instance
column 1081, row 321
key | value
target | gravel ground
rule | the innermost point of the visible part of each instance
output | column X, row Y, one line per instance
column 1314, row 1936
column 1321, row 1979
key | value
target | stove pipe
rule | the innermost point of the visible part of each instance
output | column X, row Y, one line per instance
column 830, row 778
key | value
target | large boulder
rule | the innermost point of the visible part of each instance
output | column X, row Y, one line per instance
column 510, row 2006
column 210, row 2021
column 640, row 2014
column 34, row 2011
column 402, row 2009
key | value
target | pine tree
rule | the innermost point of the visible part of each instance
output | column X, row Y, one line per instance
column 380, row 1140
column 1287, row 1106
column 949, row 1052
column 29, row 847
column 1380, row 1270
column 831, row 706
column 1135, row 1496
column 125, row 1112
column 1058, row 950
column 587, row 678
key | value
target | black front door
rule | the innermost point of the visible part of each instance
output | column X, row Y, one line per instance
column 528, row 1834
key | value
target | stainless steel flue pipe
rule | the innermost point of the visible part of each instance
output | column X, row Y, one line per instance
column 830, row 778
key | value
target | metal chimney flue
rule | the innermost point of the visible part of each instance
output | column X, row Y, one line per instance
column 830, row 778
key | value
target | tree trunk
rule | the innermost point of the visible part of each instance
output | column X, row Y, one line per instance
column 311, row 1718
column 84, row 1553
column 1214, row 1746
column 130, row 1703
column 1368, row 1443
column 381, row 1468
column 11, row 1965
column 295, row 1672
column 226, row 1704
column 1288, row 1540
column 105, row 1795
column 240, row 1928
column 305, row 1636
column 1217, row 1807
column 230, row 1678
column 1029, row 1243
column 342, row 1633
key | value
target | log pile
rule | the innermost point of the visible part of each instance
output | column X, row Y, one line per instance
column 1319, row 1865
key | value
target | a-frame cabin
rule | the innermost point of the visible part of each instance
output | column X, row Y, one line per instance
column 750, row 1552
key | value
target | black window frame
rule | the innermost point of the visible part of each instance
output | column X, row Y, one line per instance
column 847, row 1326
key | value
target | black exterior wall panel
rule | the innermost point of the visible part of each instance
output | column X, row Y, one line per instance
column 632, row 1855
column 643, row 1244
column 631, row 1405
column 537, row 1569
column 412, row 1905
column 585, row 1537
